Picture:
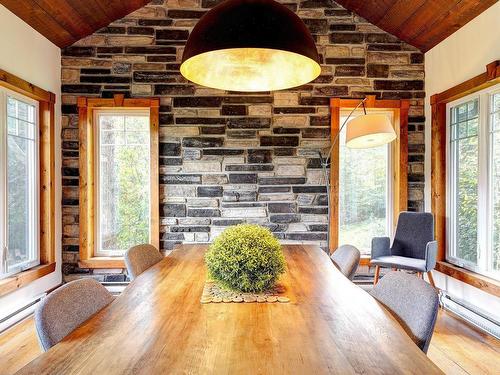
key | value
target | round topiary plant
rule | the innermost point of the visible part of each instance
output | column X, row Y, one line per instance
column 246, row 258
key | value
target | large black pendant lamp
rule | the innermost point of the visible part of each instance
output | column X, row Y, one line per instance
column 250, row 45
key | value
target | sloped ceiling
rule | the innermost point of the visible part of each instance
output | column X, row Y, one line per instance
column 421, row 23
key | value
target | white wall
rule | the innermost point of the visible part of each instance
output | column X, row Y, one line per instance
column 461, row 56
column 30, row 56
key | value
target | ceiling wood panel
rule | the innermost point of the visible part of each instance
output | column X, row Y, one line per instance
column 421, row 23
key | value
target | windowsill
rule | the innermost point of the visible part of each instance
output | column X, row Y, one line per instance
column 23, row 278
column 486, row 284
column 102, row 262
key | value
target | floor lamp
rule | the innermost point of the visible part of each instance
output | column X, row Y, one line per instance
column 365, row 131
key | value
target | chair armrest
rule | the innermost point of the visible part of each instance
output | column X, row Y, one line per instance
column 381, row 246
column 431, row 255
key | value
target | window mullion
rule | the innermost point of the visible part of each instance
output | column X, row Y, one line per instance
column 483, row 191
column 3, row 182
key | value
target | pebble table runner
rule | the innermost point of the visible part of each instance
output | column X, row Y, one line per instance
column 214, row 293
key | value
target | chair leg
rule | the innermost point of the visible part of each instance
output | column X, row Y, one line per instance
column 431, row 278
column 377, row 273
column 420, row 275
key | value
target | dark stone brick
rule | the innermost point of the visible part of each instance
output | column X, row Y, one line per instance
column 313, row 210
column 104, row 79
column 318, row 227
column 174, row 67
column 321, row 200
column 316, row 25
column 223, row 151
column 314, row 100
column 185, row 14
column 81, row 89
column 242, row 134
column 337, row 12
column 417, row 58
column 309, row 189
column 192, row 228
column 152, row 76
column 180, row 179
column 172, row 210
column 349, row 71
column 314, row 163
column 201, row 142
column 170, row 149
column 249, row 123
column 345, row 60
column 112, row 30
column 398, row 85
column 416, row 158
column 201, row 120
column 164, row 58
column 377, row 70
column 172, row 236
column 306, row 236
column 278, row 110
column 317, row 4
column 284, row 152
column 282, row 180
column 166, row 119
column 240, row 196
column 70, row 182
column 69, row 109
column 384, row 47
column 78, row 51
column 226, row 222
column 282, row 208
column 319, row 120
column 209, row 191
column 172, row 34
column 416, row 119
column 274, row 189
column 342, row 27
column 234, row 110
column 151, row 50
column 70, row 145
column 203, row 212
column 158, row 22
column 346, row 38
column 199, row 101
column 281, row 130
column 249, row 167
column 94, row 71
column 323, row 133
column 291, row 141
column 247, row 99
column 122, row 68
column 109, row 50
column 381, row 38
column 69, row 202
column 133, row 30
column 243, row 204
column 285, row 218
column 169, row 245
column 213, row 130
column 243, row 178
column 259, row 156
column 71, row 248
column 68, row 171
column 170, row 161
column 332, row 90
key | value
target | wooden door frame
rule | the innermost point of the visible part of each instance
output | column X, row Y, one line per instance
column 400, row 151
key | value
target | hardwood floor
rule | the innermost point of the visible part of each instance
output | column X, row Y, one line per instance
column 456, row 347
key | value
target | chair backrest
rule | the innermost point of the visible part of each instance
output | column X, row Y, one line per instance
column 413, row 302
column 67, row 307
column 346, row 259
column 413, row 232
column 139, row 258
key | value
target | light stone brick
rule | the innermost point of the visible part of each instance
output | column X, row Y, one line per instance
column 283, row 98
column 129, row 58
column 201, row 202
column 178, row 131
column 142, row 89
column 82, row 62
column 289, row 170
column 201, row 237
column 178, row 190
column 315, row 177
column 259, row 110
column 194, row 221
column 242, row 143
column 189, row 237
column 290, row 120
column 244, row 212
column 277, row 197
column 317, row 144
column 297, row 227
column 129, row 40
column 233, row 160
column 313, row 219
column 92, row 40
column 305, row 199
column 289, row 160
column 208, row 112
column 70, row 76
column 201, row 166
column 337, row 51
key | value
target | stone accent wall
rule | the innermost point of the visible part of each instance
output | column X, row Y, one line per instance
column 226, row 158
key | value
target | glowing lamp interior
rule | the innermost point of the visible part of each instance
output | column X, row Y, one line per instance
column 250, row 69
column 370, row 130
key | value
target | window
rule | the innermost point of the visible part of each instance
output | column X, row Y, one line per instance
column 473, row 172
column 365, row 204
column 123, row 180
column 19, row 183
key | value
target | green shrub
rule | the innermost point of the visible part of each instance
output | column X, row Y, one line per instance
column 246, row 258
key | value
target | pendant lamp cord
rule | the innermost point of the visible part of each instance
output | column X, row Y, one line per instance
column 325, row 163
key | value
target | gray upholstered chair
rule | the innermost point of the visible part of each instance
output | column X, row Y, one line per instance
column 413, row 248
column 412, row 302
column 66, row 308
column 139, row 258
column 346, row 259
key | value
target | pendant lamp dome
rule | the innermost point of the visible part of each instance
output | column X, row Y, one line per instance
column 250, row 46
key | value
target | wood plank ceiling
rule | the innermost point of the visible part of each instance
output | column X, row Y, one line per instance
column 421, row 23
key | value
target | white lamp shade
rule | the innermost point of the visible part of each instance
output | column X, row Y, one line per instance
column 370, row 130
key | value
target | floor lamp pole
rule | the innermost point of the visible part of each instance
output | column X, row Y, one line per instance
column 325, row 163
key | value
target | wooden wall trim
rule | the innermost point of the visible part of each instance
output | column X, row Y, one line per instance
column 47, row 180
column 400, row 110
column 86, row 106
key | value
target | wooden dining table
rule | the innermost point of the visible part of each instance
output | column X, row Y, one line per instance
column 158, row 326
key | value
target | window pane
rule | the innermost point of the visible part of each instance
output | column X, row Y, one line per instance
column 495, row 181
column 21, row 185
column 124, row 170
column 465, row 169
column 363, row 195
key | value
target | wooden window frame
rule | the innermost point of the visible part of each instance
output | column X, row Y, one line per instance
column 438, row 173
column 86, row 108
column 47, row 179
column 399, row 108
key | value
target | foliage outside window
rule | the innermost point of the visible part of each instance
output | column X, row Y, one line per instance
column 19, row 248
column 473, row 171
column 364, row 196
column 123, row 188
